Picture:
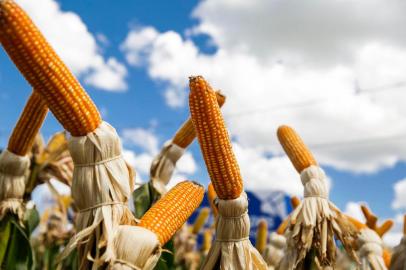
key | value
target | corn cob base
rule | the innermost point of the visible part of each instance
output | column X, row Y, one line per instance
column 232, row 245
column 274, row 251
column 13, row 173
column 135, row 248
column 314, row 223
column 164, row 164
column 101, row 187
column 370, row 250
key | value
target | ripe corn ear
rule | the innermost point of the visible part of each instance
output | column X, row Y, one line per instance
column 186, row 134
column 297, row 151
column 214, row 140
column 28, row 125
column 262, row 235
column 201, row 220
column 45, row 71
column 166, row 216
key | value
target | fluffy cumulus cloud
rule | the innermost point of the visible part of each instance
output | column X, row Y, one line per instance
column 142, row 145
column 353, row 209
column 399, row 201
column 325, row 68
column 76, row 45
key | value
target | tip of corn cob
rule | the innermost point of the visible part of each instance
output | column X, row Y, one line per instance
column 166, row 216
column 357, row 224
column 295, row 201
column 385, row 227
column 297, row 151
column 201, row 220
column 262, row 235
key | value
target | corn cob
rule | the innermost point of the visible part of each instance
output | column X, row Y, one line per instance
column 214, row 140
column 28, row 125
column 45, row 71
column 166, row 216
column 207, row 240
column 211, row 195
column 370, row 217
column 404, row 225
column 262, row 235
column 384, row 228
column 200, row 220
column 387, row 256
column 296, row 150
column 294, row 201
column 186, row 134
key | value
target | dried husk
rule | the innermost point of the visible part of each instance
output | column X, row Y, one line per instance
column 13, row 174
column 314, row 223
column 135, row 248
column 101, row 187
column 398, row 260
column 164, row 164
column 232, row 249
column 370, row 250
column 275, row 250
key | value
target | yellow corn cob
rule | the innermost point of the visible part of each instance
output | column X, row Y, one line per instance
column 296, row 150
column 211, row 195
column 28, row 125
column 262, row 235
column 404, row 225
column 45, row 71
column 186, row 134
column 370, row 217
column 387, row 256
column 214, row 140
column 166, row 216
column 207, row 240
column 295, row 201
column 384, row 228
column 282, row 227
column 200, row 220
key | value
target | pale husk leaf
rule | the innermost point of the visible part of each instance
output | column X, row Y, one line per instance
column 275, row 250
column 13, row 175
column 232, row 248
column 370, row 250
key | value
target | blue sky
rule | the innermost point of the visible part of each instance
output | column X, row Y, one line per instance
column 269, row 59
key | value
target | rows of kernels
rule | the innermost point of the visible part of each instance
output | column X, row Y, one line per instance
column 28, row 125
column 214, row 140
column 45, row 71
column 296, row 150
column 166, row 216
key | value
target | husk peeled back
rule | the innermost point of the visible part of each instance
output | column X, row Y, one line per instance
column 13, row 175
column 314, row 223
column 232, row 249
column 398, row 260
column 275, row 250
column 135, row 248
column 370, row 250
column 101, row 187
column 164, row 164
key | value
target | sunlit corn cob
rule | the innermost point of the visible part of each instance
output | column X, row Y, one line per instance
column 294, row 201
column 214, row 140
column 45, row 71
column 186, row 134
column 404, row 225
column 370, row 217
column 211, row 195
column 201, row 220
column 28, row 125
column 262, row 235
column 166, row 216
column 372, row 222
column 207, row 240
column 296, row 150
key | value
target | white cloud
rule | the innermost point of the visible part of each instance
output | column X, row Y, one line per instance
column 400, row 195
column 353, row 209
column 142, row 138
column 268, row 77
column 393, row 237
column 76, row 45
column 141, row 160
column 262, row 173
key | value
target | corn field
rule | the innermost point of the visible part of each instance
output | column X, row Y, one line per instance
column 111, row 222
